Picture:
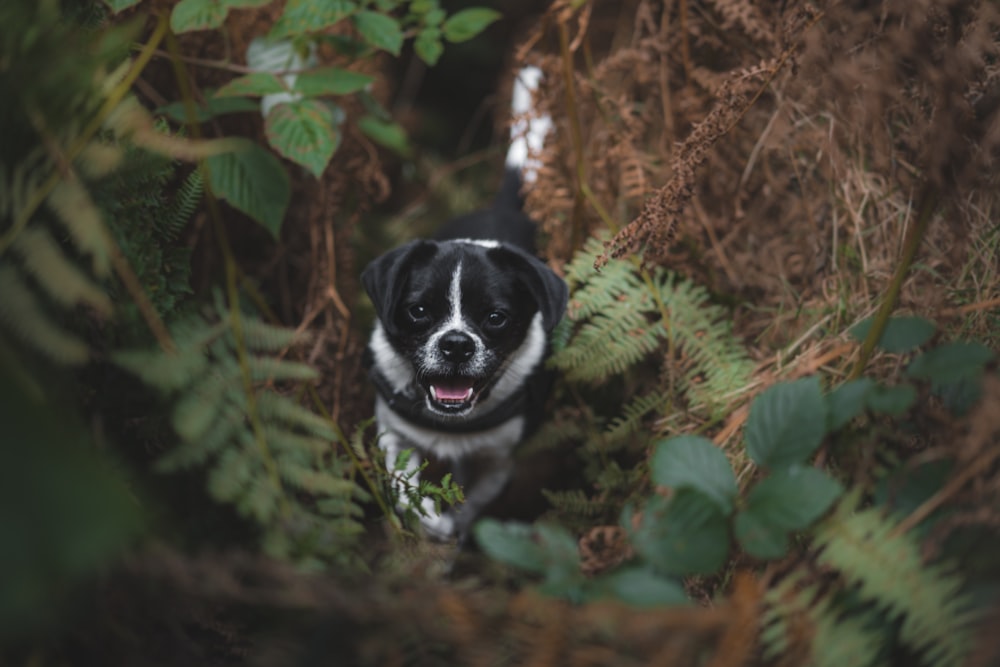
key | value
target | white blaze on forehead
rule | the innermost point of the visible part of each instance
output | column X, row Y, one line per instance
column 455, row 298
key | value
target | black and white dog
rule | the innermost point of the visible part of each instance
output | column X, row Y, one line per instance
column 463, row 329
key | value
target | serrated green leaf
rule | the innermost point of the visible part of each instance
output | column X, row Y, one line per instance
column 189, row 15
column 892, row 401
column 467, row 23
column 305, row 16
column 793, row 498
column 214, row 106
column 428, row 46
column 690, row 461
column 951, row 362
column 511, row 543
column 381, row 31
column 686, row 534
column 789, row 500
column 639, row 587
column 304, row 131
column 846, row 402
column 758, row 538
column 390, row 135
column 902, row 334
column 331, row 81
column 253, row 181
column 786, row 423
column 118, row 5
column 255, row 84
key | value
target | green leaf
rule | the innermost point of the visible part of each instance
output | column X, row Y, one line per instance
column 789, row 500
column 639, row 587
column 846, row 402
column 118, row 5
column 428, row 46
column 189, row 15
column 902, row 334
column 758, row 538
column 255, row 84
column 686, row 534
column 305, row 132
column 305, row 16
column 951, row 362
column 690, row 461
column 892, row 401
column 214, row 106
column 793, row 498
column 390, row 135
column 381, row 31
column 786, row 423
column 253, row 181
column 542, row 549
column 331, row 81
column 467, row 23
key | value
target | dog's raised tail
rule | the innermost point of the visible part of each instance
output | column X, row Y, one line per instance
column 527, row 136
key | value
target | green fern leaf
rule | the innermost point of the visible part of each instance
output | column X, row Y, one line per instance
column 61, row 280
column 22, row 313
column 935, row 613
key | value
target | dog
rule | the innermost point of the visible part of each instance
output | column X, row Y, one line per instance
column 463, row 329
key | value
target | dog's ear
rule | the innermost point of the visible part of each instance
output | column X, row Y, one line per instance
column 385, row 277
column 549, row 290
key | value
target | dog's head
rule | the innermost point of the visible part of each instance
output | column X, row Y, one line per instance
column 465, row 321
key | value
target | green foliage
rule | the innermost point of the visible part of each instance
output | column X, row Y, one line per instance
column 252, row 180
column 786, row 423
column 266, row 454
column 303, row 119
column 618, row 317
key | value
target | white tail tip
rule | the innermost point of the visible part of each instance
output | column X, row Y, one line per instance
column 527, row 133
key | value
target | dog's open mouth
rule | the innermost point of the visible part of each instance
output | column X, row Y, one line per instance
column 453, row 394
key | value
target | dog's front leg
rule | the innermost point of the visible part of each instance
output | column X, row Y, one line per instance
column 480, row 492
column 405, row 483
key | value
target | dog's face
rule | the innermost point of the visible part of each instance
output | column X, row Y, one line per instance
column 465, row 321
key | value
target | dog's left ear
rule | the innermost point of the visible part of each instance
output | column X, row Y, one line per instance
column 549, row 290
column 385, row 277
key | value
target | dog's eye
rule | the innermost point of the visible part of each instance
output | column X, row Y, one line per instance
column 497, row 320
column 418, row 313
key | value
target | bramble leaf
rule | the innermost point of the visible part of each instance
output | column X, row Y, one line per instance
column 305, row 16
column 690, row 461
column 786, row 423
column 253, row 181
column 467, row 23
column 381, row 31
column 331, row 81
column 846, row 402
column 686, row 534
column 305, row 132
column 902, row 334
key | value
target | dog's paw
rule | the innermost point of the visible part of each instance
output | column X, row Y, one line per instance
column 439, row 527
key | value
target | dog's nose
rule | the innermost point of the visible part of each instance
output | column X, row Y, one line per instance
column 456, row 346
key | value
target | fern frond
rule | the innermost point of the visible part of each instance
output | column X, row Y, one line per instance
column 271, row 405
column 186, row 201
column 166, row 371
column 22, row 313
column 797, row 621
column 633, row 414
column 269, row 369
column 74, row 208
column 62, row 281
column 263, row 337
column 888, row 570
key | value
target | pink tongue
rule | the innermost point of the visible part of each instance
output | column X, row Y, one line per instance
column 452, row 393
